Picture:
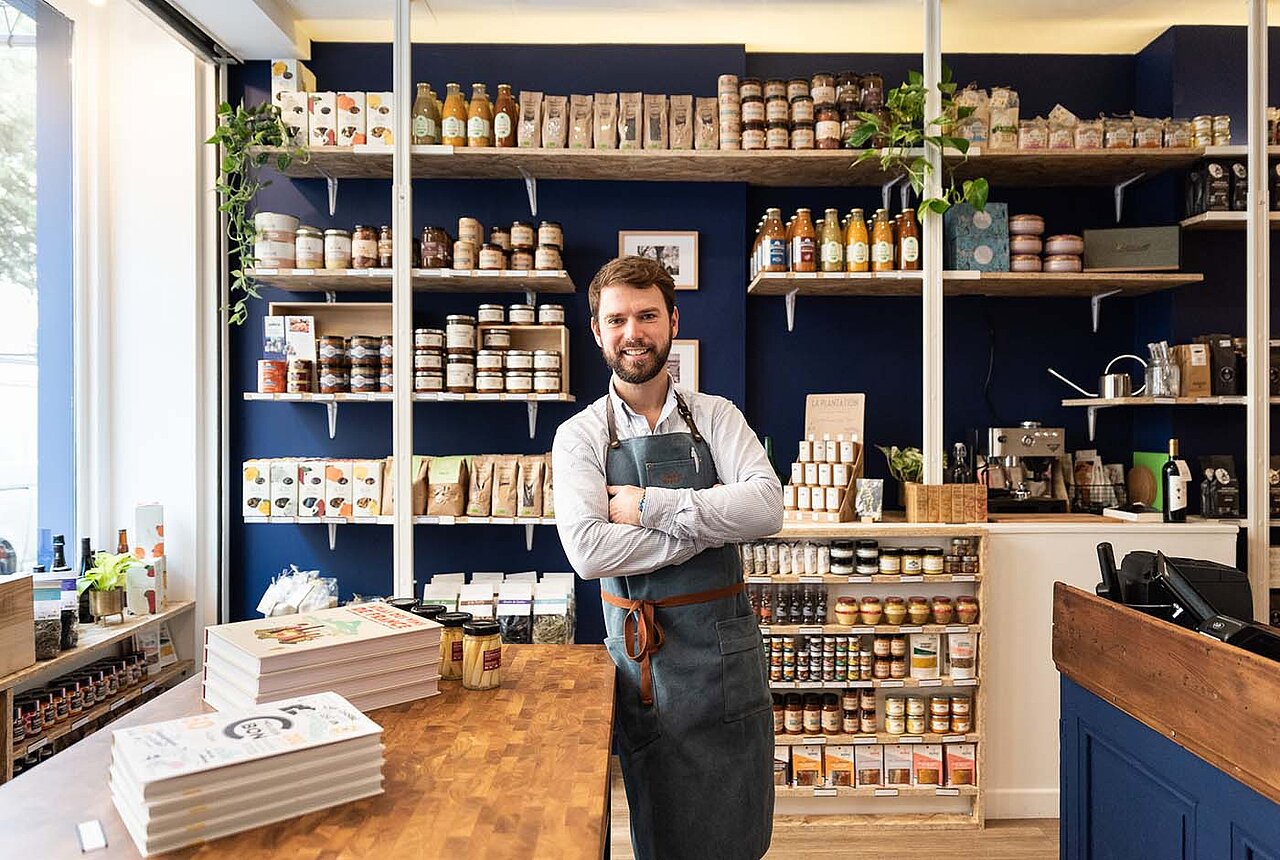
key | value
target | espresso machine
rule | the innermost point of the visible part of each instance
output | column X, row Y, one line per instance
column 1020, row 464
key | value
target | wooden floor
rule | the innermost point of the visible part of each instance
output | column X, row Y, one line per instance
column 1030, row 839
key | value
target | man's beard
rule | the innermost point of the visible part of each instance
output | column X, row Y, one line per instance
column 639, row 372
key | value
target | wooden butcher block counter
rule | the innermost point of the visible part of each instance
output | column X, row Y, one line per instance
column 518, row 772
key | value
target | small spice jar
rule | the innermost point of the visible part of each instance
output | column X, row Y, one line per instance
column 546, row 381
column 849, row 700
column 364, row 376
column 777, row 109
column 491, row 315
column 435, row 249
column 961, row 706
column 460, row 333
column 308, row 245
column 497, row 338
column 386, row 377
column 386, row 248
column 551, row 314
column 387, row 347
column 778, row 136
column 500, row 236
column 460, row 373
column 895, row 725
column 547, row 259
column 931, row 563
column 519, row 382
column 967, row 609
column 481, row 655
column 523, row 235
column 969, row 565
column 428, row 359
column 912, row 561
column 522, row 315
column 943, row 610
column 428, row 381
column 802, row 109
column 940, row 706
column 753, row 134
column 451, row 651
column 549, row 360
column 881, row 645
column 750, row 88
column 432, row 338
column 299, row 376
column 897, row 646
column 793, row 719
column 489, row 361
column 826, row 126
column 812, row 714
column 895, row 610
column 894, row 706
column 890, row 560
column 871, row 610
column 492, row 257
column 363, row 347
column 898, row 668
column 918, row 610
column 915, row 725
column 849, row 722
column 961, row 725
column 337, row 249
column 364, row 247
column 470, row 230
column 867, row 550
column 753, row 110
column 802, row 136
column 522, row 259
column 519, row 359
column 465, row 256
column 332, row 347
column 867, row 721
column 489, row 383
column 847, row 610
column 915, row 706
column 831, row 714
column 550, row 233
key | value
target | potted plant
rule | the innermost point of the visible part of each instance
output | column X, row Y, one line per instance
column 906, row 465
column 105, row 584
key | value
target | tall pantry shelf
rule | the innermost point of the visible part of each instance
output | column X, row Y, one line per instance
column 902, row 804
column 333, row 522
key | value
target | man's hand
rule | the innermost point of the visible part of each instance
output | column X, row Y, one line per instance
column 624, row 505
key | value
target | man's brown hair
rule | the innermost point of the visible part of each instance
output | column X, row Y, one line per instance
column 638, row 272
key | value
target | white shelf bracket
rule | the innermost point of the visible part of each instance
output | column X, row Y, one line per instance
column 1092, row 414
column 330, row 296
column 1119, row 192
column 332, row 182
column 530, row 297
column 331, row 409
column 1095, row 306
column 885, row 189
column 791, row 309
column 333, row 536
column 528, row 537
column 533, row 418
column 531, row 188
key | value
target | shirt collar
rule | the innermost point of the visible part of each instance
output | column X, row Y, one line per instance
column 632, row 418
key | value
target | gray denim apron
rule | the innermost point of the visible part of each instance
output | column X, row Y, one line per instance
column 692, row 711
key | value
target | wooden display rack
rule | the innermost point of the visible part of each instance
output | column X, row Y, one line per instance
column 839, row 807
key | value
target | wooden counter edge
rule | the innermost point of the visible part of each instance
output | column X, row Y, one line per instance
column 1218, row 702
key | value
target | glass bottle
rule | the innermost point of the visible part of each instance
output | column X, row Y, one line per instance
column 803, row 244
column 909, row 242
column 453, row 121
column 122, row 542
column 479, row 118
column 807, row 606
column 832, row 242
column 773, row 253
column 86, row 562
column 881, row 243
column 506, row 116
column 857, row 252
column 425, row 126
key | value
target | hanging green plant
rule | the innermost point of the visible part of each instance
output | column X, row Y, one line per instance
column 902, row 132
column 246, row 137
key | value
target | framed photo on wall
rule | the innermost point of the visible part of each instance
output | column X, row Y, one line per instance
column 682, row 363
column 676, row 250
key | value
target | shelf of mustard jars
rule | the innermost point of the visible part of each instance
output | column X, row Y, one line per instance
column 1100, row 167
column 529, row 281
column 1225, row 221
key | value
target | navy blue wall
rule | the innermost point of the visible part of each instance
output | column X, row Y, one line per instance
column 996, row 351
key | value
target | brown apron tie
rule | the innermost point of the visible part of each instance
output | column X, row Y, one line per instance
column 681, row 407
column 642, row 629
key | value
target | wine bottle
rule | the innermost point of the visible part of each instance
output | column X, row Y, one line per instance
column 86, row 562
column 70, row 612
column 1174, row 478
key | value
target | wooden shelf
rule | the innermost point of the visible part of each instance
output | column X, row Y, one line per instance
column 95, row 641
column 877, row 738
column 49, row 735
column 419, row 397
column 887, row 684
column 889, row 528
column 959, row 283
column 761, row 168
column 807, row 791
column 371, row 397
column 861, row 630
column 1101, row 403
column 418, row 521
column 424, row 280
column 883, row 579
column 1237, row 221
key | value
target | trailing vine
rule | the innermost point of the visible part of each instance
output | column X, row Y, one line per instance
column 244, row 136
column 906, row 133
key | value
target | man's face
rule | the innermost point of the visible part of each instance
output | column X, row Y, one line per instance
column 634, row 331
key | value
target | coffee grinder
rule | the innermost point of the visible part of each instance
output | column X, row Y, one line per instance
column 1020, row 468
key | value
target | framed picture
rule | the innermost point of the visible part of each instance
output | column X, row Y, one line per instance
column 682, row 363
column 676, row 250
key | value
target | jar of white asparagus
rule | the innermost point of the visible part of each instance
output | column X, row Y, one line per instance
column 481, row 655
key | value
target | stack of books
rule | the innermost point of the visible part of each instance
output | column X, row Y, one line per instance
column 202, row 777
column 372, row 654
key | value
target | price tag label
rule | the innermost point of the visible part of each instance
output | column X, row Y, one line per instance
column 80, row 723
column 906, row 629
column 947, row 792
column 825, row 792
column 148, row 688
column 447, row 521
column 809, row 685
column 759, row 580
column 811, row 579
column 304, row 272
column 957, row 628
column 449, row 395
column 815, row 739
column 963, row 578
column 116, row 705
column 266, row 271
column 910, row 739
column 953, row 739
column 967, row 682
column 859, row 630
column 865, row 739
column 37, row 745
column 504, row 521
column 810, row 628
column 892, row 684
column 886, row 792
column 931, row 682
column 912, row 579
column 865, row 685
column 859, row 579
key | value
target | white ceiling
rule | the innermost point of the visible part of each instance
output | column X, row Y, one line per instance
column 975, row 26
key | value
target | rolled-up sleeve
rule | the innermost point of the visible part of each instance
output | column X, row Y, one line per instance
column 596, row 547
column 746, row 505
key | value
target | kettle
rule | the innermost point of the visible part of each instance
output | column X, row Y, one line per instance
column 1111, row 385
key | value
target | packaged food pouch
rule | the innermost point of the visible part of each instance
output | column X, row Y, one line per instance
column 975, row 127
column 548, row 494
column 555, row 122
column 505, row 487
column 447, row 487
column 606, row 120
column 655, row 122
column 581, row 122
column 681, row 122
column 1004, row 118
column 529, row 129
column 480, row 489
column 389, row 487
column 706, row 133
column 630, row 118
column 1062, row 128
column 530, row 481
column 420, row 464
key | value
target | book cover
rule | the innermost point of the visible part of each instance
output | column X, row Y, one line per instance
column 289, row 681
column 342, row 633
column 217, row 677
column 205, row 742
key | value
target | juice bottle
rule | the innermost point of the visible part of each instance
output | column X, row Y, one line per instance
column 909, row 242
column 832, row 242
column 804, row 241
column 506, row 114
column 881, row 243
column 773, row 243
column 479, row 118
column 426, row 122
column 453, row 120
column 857, row 252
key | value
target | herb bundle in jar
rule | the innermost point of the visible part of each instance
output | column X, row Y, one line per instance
column 481, row 655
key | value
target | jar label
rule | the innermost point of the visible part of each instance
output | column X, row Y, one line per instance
column 827, row 129
column 364, row 248
column 422, row 126
column 831, row 252
column 478, row 127
column 882, row 252
column 858, row 252
column 775, row 253
column 823, row 95
column 453, row 127
column 521, row 235
column 802, row 250
column 455, row 650
column 492, row 659
column 502, row 125
column 910, row 249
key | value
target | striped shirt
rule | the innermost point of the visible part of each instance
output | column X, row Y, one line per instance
column 677, row 524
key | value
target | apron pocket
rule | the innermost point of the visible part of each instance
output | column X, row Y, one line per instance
column 671, row 474
column 638, row 723
column 745, row 685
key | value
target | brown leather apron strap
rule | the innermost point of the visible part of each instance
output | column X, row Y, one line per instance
column 642, row 629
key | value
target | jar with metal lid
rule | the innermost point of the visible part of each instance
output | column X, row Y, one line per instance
column 894, row 706
column 846, row 610
column 867, row 722
column 940, row 723
column 75, row 693
column 793, row 718
column 547, row 259
column 777, row 109
column 492, row 257
column 931, row 562
column 470, row 230
column 797, row 88
column 812, row 714
column 827, row 128
column 753, row 135
column 519, row 382
column 849, row 722
column 897, row 646
column 802, row 110
column 500, row 236
column 489, row 383
column 961, row 725
column 522, row 315
column 451, row 650
column 497, row 338
column 523, row 235
column 363, row 347
column 775, row 88
column 750, row 88
column 849, row 88
column 890, row 560
column 58, row 696
column 465, row 256
column 912, row 561
column 915, row 706
column 880, row 646
column 489, row 361
column 831, row 714
column 308, row 247
column 428, row 381
column 802, row 136
column 895, row 725
column 492, row 314
column 967, row 609
column 387, row 347
column 332, row 347
column 364, row 247
column 870, row 610
column 460, row 333
column 364, row 376
column 969, row 564
column 940, row 706
column 961, row 706
column 519, row 359
column 943, row 610
column 436, row 249
column 386, row 378
column 898, row 668
column 386, row 248
column 337, row 249
column 849, row 700
column 460, row 373
column 299, row 376
column 822, row 87
column 872, row 90
column 431, row 338
column 918, row 610
column 916, row 725
column 753, row 111
column 551, row 314
column 428, row 359
column 550, row 233
column 778, row 136
column 522, row 259
column 895, row 610
column 546, row 382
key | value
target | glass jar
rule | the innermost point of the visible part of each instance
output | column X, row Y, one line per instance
column 849, row 722
column 451, row 654
column 364, row 248
column 802, row 109
column 523, row 235
column 969, row 565
column 967, row 609
column 522, row 259
column 931, row 562
column 895, row 725
column 912, row 561
column 939, row 725
column 940, row 706
column 308, row 248
column 797, row 88
column 387, row 347
column 465, row 256
column 364, row 376
column 894, row 706
column 822, row 87
column 460, row 333
column 777, row 109
column 547, row 259
column 872, row 91
column 918, row 610
column 895, row 610
column 898, row 668
column 867, row 721
column 460, row 373
column 489, row 383
column 960, row 725
column 489, row 361
column 519, row 382
column 802, row 136
column 778, row 136
column 492, row 315
column 793, row 719
column 961, row 706
column 386, row 248
column 522, row 315
column 428, row 359
column 551, row 314
column 363, row 347
column 481, row 655
column 779, row 715
column 943, row 610
column 871, row 610
column 432, row 338
column 497, row 338
column 849, row 700
column 831, row 714
column 775, row 88
column 897, row 646
column 826, row 126
column 470, row 230
column 753, row 135
column 492, row 258
column 519, row 359
column 890, row 560
column 915, row 706
column 550, row 233
column 841, row 550
column 812, row 714
column 880, row 646
column 436, row 249
column 500, row 236
column 428, row 381
column 915, row 725
column 546, row 382
column 337, row 249
column 750, row 88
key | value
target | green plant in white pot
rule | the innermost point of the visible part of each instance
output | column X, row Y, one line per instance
column 105, row 584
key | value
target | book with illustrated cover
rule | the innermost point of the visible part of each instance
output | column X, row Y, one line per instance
column 234, row 686
column 290, row 681
column 155, row 754
column 342, row 633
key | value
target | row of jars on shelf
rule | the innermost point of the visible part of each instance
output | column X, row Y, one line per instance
column 864, row 557
column 849, row 244
column 821, row 112
column 35, row 711
column 840, row 659
column 806, row 604
column 854, row 712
